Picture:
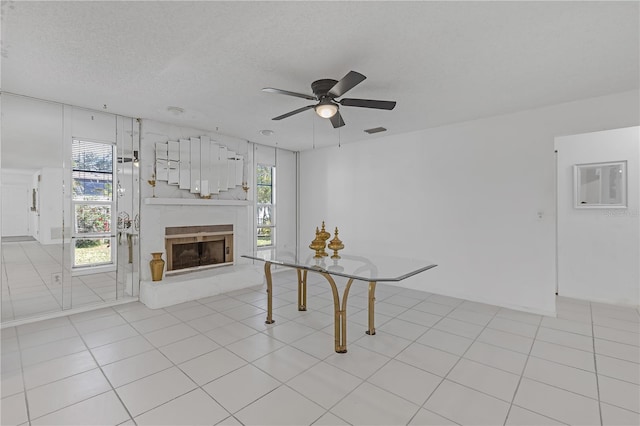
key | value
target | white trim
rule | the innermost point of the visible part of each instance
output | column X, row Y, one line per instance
column 68, row 312
column 194, row 202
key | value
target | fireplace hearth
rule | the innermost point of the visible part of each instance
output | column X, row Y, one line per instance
column 191, row 248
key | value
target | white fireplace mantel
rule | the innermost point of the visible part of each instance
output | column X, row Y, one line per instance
column 195, row 202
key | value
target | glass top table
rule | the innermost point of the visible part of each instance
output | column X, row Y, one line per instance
column 371, row 269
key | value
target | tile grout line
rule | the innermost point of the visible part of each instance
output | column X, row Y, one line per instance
column 198, row 386
column 26, row 256
column 453, row 308
column 595, row 363
column 495, row 315
column 43, row 281
column 102, row 371
column 13, row 311
column 156, row 372
column 407, row 309
column 281, row 383
column 173, row 364
column 103, row 374
column 486, row 326
column 422, row 406
column 365, row 380
column 328, row 411
column 24, row 383
column 524, row 367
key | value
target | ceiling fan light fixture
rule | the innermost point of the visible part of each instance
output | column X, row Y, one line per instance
column 326, row 109
column 326, row 91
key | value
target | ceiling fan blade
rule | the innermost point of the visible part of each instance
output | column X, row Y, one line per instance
column 286, row 92
column 337, row 120
column 289, row 114
column 347, row 83
column 368, row 103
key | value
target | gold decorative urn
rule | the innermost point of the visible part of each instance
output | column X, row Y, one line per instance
column 324, row 236
column 317, row 244
column 157, row 266
column 335, row 245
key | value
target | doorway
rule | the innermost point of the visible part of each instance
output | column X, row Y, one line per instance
column 15, row 198
column 598, row 244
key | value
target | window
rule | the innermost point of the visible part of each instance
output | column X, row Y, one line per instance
column 265, row 188
column 93, row 203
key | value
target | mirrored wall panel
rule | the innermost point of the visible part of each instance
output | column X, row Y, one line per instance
column 70, row 210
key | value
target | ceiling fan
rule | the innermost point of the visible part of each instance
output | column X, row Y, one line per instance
column 326, row 91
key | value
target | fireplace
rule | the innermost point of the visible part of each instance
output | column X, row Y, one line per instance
column 191, row 248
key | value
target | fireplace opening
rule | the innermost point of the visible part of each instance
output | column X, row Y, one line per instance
column 198, row 247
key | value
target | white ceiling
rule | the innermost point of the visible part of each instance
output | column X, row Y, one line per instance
column 443, row 62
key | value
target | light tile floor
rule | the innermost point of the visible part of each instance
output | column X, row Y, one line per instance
column 435, row 360
column 32, row 281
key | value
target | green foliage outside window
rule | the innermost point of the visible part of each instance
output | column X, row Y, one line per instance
column 87, row 243
column 92, row 166
column 93, row 161
column 92, row 251
column 264, row 181
column 264, row 190
column 264, row 237
column 93, row 219
column 92, row 190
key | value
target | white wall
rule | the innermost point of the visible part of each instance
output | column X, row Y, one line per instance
column 467, row 196
column 286, row 193
column 599, row 249
column 16, row 202
column 51, row 207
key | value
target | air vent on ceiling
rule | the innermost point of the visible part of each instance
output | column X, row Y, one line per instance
column 375, row 130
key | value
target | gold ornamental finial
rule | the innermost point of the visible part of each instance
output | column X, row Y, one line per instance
column 324, row 236
column 317, row 244
column 335, row 245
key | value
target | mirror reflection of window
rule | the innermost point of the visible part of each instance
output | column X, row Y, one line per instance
column 93, row 202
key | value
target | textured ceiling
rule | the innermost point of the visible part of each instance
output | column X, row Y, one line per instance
column 443, row 62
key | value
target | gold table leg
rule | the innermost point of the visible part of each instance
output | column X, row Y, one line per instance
column 267, row 275
column 302, row 290
column 339, row 307
column 372, row 301
column 340, row 313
